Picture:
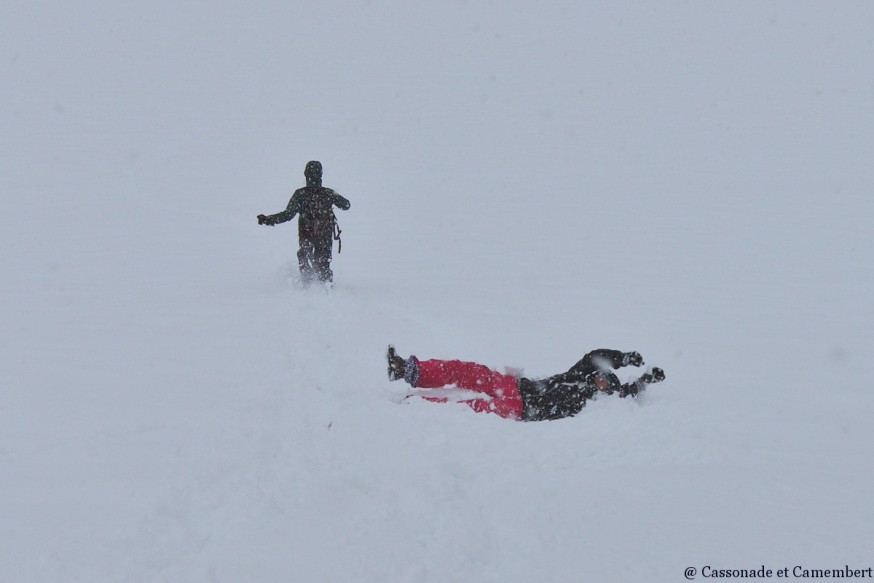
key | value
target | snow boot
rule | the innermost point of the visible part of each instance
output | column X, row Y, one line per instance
column 396, row 365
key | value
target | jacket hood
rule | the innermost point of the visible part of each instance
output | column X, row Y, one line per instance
column 313, row 173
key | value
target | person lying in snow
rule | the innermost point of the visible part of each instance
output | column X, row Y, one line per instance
column 561, row 395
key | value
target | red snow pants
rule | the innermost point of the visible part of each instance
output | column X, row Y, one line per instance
column 505, row 398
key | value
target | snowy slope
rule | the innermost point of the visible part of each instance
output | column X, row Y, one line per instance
column 527, row 183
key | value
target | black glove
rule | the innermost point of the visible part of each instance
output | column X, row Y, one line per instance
column 263, row 220
column 629, row 390
column 658, row 375
column 632, row 359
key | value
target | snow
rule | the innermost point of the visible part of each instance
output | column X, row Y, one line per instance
column 528, row 182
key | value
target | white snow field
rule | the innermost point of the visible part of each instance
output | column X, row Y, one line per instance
column 529, row 181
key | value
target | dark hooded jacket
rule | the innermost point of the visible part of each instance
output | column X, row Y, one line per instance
column 315, row 205
column 565, row 394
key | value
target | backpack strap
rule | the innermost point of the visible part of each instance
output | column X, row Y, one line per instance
column 337, row 232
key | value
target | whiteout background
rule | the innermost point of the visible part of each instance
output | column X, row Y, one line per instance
column 690, row 180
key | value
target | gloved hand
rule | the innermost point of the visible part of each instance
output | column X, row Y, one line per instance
column 264, row 220
column 632, row 359
column 658, row 375
column 629, row 390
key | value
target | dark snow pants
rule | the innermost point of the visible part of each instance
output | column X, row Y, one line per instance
column 314, row 259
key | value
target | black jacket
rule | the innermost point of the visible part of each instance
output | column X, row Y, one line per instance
column 565, row 394
column 315, row 205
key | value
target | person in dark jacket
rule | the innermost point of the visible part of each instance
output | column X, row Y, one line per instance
column 523, row 399
column 316, row 225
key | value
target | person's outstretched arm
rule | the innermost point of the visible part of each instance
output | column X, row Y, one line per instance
column 604, row 359
column 282, row 217
column 340, row 201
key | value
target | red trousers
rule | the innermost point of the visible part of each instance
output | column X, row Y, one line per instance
column 505, row 398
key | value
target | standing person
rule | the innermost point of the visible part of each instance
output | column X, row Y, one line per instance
column 317, row 225
column 561, row 395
